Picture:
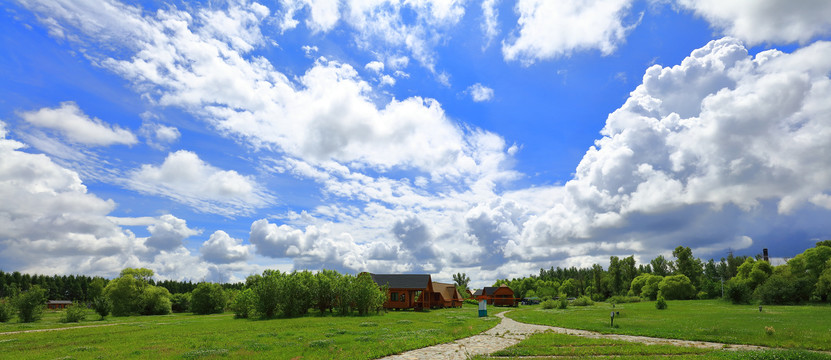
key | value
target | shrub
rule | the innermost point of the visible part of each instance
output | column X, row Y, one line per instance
column 243, row 304
column 563, row 302
column 737, row 291
column 180, row 303
column 661, row 304
column 102, row 306
column 6, row 310
column 770, row 330
column 208, row 298
column 620, row 299
column 471, row 302
column 780, row 289
column 155, row 300
column 30, row 304
column 582, row 301
column 549, row 304
column 266, row 291
column 677, row 287
column 74, row 313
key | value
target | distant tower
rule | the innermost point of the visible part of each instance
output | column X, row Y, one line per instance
column 765, row 254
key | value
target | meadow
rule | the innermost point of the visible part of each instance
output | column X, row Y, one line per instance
column 187, row 336
column 560, row 346
column 793, row 327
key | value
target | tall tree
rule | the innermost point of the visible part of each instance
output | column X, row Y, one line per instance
column 686, row 264
column 660, row 266
column 461, row 280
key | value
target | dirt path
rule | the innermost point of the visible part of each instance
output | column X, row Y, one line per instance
column 55, row 329
column 509, row 332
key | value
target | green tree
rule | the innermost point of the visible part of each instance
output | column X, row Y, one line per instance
column 367, row 295
column 676, row 287
column 615, row 276
column 244, row 304
column 131, row 293
column 660, row 266
column 180, row 303
column 823, row 287
column 155, row 300
column 568, row 288
column 30, row 304
column 324, row 291
column 6, row 310
column 74, row 313
column 267, row 293
column 208, row 298
column 344, row 294
column 646, row 285
column 102, row 306
column 687, row 265
column 462, row 281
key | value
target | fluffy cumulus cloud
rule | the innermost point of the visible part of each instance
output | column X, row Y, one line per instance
column 695, row 150
column 71, row 122
column 554, row 28
column 221, row 248
column 768, row 21
column 480, row 93
column 186, row 178
column 50, row 224
column 159, row 136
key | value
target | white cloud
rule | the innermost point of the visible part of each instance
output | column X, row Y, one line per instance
column 323, row 14
column 375, row 66
column 480, row 93
column 491, row 20
column 768, row 21
column 221, row 248
column 556, row 28
column 71, row 122
column 159, row 136
column 184, row 177
column 168, row 232
column 709, row 149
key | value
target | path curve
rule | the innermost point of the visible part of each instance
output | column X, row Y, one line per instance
column 509, row 332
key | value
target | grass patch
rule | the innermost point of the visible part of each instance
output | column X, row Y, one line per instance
column 561, row 346
column 796, row 327
column 217, row 336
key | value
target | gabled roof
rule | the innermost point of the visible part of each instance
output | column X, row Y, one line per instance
column 488, row 290
column 403, row 281
column 448, row 291
column 478, row 292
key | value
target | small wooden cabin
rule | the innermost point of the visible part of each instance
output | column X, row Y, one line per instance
column 58, row 304
column 497, row 296
column 406, row 291
column 446, row 295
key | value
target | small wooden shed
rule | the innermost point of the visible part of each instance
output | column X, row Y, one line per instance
column 406, row 291
column 57, row 304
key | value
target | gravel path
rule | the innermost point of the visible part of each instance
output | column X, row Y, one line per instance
column 509, row 332
column 55, row 329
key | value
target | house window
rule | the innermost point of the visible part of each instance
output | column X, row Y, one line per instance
column 403, row 297
column 393, row 296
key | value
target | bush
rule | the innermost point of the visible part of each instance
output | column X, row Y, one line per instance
column 661, row 304
column 180, row 303
column 781, row 289
column 737, row 291
column 243, row 305
column 563, row 302
column 74, row 313
column 677, row 287
column 102, row 306
column 30, row 304
column 620, row 299
column 471, row 302
column 549, row 304
column 208, row 298
column 155, row 300
column 266, row 291
column 582, row 301
column 6, row 310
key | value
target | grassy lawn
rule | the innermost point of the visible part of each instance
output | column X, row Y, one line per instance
column 192, row 336
column 560, row 346
column 796, row 327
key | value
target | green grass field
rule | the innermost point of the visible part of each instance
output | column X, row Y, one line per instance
column 195, row 336
column 794, row 327
column 559, row 346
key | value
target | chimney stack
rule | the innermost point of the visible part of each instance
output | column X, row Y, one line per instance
column 765, row 254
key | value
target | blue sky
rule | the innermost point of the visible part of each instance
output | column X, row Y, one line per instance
column 212, row 141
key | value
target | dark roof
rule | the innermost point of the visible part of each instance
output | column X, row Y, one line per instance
column 478, row 292
column 488, row 290
column 59, row 302
column 402, row 281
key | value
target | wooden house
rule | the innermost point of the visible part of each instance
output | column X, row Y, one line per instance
column 446, row 295
column 406, row 291
column 497, row 296
column 469, row 294
column 58, row 304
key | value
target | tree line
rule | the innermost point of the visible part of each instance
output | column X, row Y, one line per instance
column 269, row 295
column 740, row 279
